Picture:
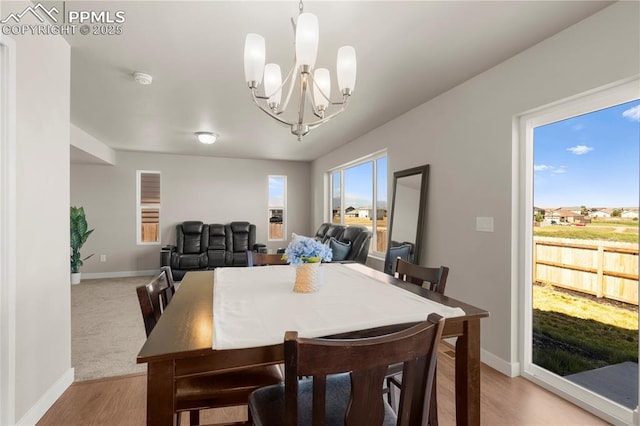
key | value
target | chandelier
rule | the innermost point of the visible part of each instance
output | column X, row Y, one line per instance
column 312, row 85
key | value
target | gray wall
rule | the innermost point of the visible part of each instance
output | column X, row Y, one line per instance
column 213, row 190
column 43, row 322
column 466, row 136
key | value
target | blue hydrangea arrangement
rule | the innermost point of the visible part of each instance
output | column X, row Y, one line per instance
column 306, row 250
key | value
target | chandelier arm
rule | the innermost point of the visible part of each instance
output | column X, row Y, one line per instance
column 328, row 117
column 268, row 111
column 291, row 77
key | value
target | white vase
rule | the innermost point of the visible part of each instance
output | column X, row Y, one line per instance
column 75, row 277
column 308, row 278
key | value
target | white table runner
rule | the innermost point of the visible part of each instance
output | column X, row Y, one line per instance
column 255, row 306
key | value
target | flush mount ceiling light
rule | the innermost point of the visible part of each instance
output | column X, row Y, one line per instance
column 302, row 71
column 142, row 78
column 207, row 138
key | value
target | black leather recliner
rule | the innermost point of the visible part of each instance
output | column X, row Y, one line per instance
column 322, row 230
column 191, row 248
column 200, row 246
column 360, row 239
column 334, row 231
column 358, row 236
column 217, row 253
column 241, row 237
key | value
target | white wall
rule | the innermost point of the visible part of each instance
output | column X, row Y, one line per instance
column 213, row 190
column 43, row 322
column 466, row 136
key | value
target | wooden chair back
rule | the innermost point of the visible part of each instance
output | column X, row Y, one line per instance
column 263, row 259
column 154, row 298
column 416, row 274
column 367, row 360
column 170, row 281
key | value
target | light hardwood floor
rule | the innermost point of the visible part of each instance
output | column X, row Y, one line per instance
column 120, row 401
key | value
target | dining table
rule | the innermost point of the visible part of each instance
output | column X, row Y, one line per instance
column 183, row 342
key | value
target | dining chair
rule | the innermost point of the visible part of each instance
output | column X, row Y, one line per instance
column 212, row 391
column 263, row 259
column 436, row 280
column 174, row 285
column 344, row 376
column 154, row 298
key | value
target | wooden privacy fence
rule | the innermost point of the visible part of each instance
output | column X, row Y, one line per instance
column 601, row 268
column 275, row 231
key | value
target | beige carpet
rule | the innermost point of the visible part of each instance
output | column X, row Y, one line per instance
column 107, row 331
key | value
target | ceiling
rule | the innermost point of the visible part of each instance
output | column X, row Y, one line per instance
column 407, row 52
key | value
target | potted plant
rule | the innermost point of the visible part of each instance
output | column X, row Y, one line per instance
column 79, row 235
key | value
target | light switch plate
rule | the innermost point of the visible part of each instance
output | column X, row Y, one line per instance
column 484, row 224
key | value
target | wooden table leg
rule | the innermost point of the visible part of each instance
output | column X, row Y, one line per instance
column 160, row 394
column 468, row 374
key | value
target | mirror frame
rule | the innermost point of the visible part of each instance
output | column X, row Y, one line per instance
column 423, row 206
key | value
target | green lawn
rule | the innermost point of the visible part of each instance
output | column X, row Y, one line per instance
column 573, row 333
column 590, row 232
column 622, row 222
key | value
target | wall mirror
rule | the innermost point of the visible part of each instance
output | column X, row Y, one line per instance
column 408, row 211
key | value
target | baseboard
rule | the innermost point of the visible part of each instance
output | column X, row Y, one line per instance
column 510, row 369
column 47, row 400
column 122, row 274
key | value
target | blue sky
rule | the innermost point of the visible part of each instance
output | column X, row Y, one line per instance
column 590, row 160
column 276, row 191
column 358, row 186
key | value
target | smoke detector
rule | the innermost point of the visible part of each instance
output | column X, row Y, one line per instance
column 142, row 78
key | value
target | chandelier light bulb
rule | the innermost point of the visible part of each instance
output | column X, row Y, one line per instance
column 346, row 68
column 321, row 88
column 254, row 58
column 272, row 83
column 307, row 37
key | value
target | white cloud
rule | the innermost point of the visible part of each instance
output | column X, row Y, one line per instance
column 580, row 149
column 559, row 170
column 541, row 167
column 632, row 113
column 578, row 127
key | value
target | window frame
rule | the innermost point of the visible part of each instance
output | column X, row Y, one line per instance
column 371, row 158
column 140, row 206
column 283, row 207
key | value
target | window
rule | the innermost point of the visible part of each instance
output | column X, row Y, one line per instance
column 277, row 207
column 358, row 196
column 148, row 207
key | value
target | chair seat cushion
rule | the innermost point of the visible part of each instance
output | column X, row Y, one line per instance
column 267, row 404
column 192, row 261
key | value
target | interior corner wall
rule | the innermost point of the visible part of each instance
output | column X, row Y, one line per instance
column 466, row 136
column 43, row 318
column 209, row 189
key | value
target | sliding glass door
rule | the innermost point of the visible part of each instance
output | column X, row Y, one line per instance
column 579, row 228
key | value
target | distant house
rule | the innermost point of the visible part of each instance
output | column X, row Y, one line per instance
column 564, row 215
column 538, row 210
column 351, row 212
column 364, row 212
column 629, row 214
column 604, row 213
column 576, row 210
